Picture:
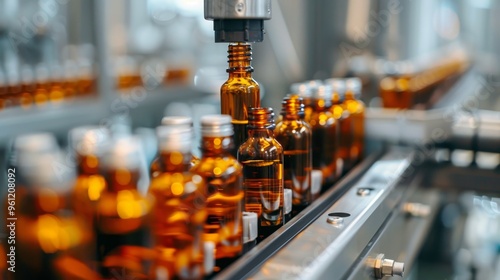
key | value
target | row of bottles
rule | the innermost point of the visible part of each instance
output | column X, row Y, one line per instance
column 415, row 89
column 37, row 86
column 129, row 73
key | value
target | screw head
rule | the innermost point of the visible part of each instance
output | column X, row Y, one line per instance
column 334, row 220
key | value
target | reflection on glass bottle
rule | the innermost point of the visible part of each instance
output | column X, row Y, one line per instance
column 224, row 193
column 304, row 91
column 122, row 213
column 240, row 92
column 170, row 121
column 88, row 144
column 262, row 159
column 179, row 213
column 356, row 108
column 325, row 134
column 52, row 242
column 343, row 118
column 295, row 136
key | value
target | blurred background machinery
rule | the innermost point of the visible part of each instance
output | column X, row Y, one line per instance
column 430, row 72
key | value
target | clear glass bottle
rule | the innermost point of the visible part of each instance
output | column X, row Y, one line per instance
column 170, row 121
column 356, row 108
column 295, row 136
column 262, row 159
column 325, row 134
column 122, row 213
column 224, row 193
column 88, row 144
column 52, row 241
column 179, row 213
column 343, row 118
column 240, row 92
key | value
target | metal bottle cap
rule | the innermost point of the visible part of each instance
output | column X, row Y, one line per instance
column 337, row 84
column 250, row 226
column 89, row 140
column 177, row 121
column 353, row 85
column 216, row 126
column 125, row 153
column 174, row 138
column 301, row 89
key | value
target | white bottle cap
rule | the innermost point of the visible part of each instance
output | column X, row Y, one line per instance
column 177, row 121
column 316, row 180
column 125, row 153
column 250, row 226
column 174, row 138
column 89, row 140
column 209, row 257
column 288, row 201
column 216, row 126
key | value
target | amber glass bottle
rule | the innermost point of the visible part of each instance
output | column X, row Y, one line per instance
column 343, row 118
column 88, row 144
column 224, row 194
column 3, row 91
column 303, row 91
column 240, row 92
column 295, row 136
column 51, row 241
column 122, row 212
column 27, row 87
column 356, row 108
column 170, row 121
column 41, row 94
column 325, row 135
column 262, row 159
column 179, row 213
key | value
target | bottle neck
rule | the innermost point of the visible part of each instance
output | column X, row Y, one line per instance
column 216, row 146
column 121, row 179
column 261, row 132
column 239, row 59
column 321, row 105
column 175, row 161
column 87, row 165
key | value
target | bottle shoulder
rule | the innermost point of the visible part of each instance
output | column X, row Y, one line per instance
column 217, row 166
column 294, row 127
column 266, row 148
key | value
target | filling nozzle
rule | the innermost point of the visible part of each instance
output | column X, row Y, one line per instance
column 238, row 21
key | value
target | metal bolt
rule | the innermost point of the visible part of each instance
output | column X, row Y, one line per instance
column 334, row 220
column 387, row 267
column 364, row 191
column 416, row 209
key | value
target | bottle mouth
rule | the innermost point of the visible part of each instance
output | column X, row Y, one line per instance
column 261, row 118
column 292, row 104
column 239, row 57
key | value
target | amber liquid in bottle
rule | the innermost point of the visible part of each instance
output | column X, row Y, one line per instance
column 343, row 118
column 179, row 215
column 262, row 159
column 224, row 193
column 52, row 242
column 240, row 92
column 123, row 214
column 325, row 137
column 356, row 108
column 295, row 136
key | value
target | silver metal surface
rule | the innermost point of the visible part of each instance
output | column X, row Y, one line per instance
column 331, row 251
column 386, row 267
column 237, row 9
column 401, row 237
column 334, row 220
